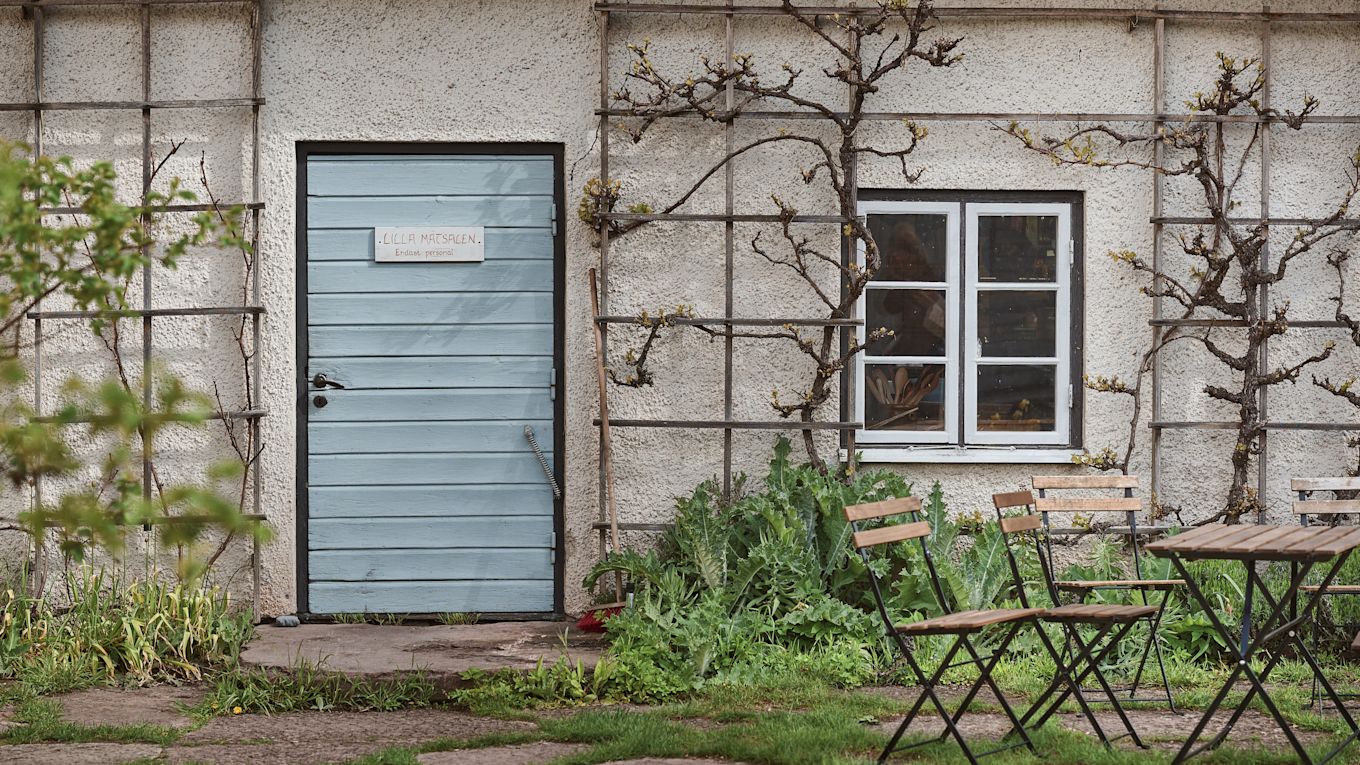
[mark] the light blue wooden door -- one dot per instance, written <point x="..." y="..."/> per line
<point x="423" y="495"/>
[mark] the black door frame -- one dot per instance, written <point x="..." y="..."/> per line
<point x="307" y="149"/>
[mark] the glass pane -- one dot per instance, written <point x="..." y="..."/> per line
<point x="904" y="396"/>
<point x="916" y="317"/>
<point x="912" y="247"/>
<point x="1017" y="323"/>
<point x="1017" y="248"/>
<point x="1017" y="398"/>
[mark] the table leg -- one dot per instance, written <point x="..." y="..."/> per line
<point x="1242" y="667"/>
<point x="1290" y="631"/>
<point x="1287" y="629"/>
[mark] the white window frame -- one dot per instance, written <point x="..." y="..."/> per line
<point x="973" y="359"/>
<point x="950" y="434"/>
<point x="963" y="358"/>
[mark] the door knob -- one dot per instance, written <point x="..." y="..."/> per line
<point x="319" y="401"/>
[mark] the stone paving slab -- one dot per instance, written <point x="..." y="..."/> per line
<point x="1158" y="728"/>
<point x="326" y="728"/>
<point x="536" y="753"/>
<point x="271" y="754"/>
<point x="673" y="761"/>
<point x="444" y="652"/>
<point x="160" y="705"/>
<point x="76" y="754"/>
<point x="320" y="738"/>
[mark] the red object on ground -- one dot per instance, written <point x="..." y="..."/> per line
<point x="593" y="621"/>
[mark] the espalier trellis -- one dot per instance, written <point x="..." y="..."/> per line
<point x="872" y="48"/>
<point x="1227" y="285"/>
<point x="721" y="92"/>
<point x="237" y="401"/>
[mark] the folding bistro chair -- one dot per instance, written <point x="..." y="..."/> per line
<point x="963" y="625"/>
<point x="1074" y="666"/>
<point x="1130" y="506"/>
<point x="1345" y="502"/>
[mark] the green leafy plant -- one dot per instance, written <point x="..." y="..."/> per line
<point x="139" y="632"/>
<point x="306" y="686"/>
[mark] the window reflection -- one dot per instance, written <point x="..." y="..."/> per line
<point x="912" y="247"/>
<point x="1017" y="323"/>
<point x="917" y="318"/>
<point x="1016" y="397"/>
<point x="1017" y="248"/>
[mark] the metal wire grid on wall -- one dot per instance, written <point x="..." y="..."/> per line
<point x="1266" y="18"/>
<point x="36" y="11"/>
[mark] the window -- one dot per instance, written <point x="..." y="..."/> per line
<point x="979" y="295"/>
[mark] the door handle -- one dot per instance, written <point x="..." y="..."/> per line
<point x="542" y="461"/>
<point x="320" y="381"/>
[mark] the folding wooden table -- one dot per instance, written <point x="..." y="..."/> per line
<point x="1303" y="547"/>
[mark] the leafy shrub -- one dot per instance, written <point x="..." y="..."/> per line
<point x="770" y="578"/>
<point x="769" y="581"/>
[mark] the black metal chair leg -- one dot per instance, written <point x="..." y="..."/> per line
<point x="928" y="691"/>
<point x="985" y="676"/>
<point x="1314" y="699"/>
<point x="1078" y="675"/>
<point x="1094" y="665"/>
<point x="1161" y="662"/>
<point x="1073" y="688"/>
<point x="1319" y="677"/>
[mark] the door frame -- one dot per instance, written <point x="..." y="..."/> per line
<point x="307" y="149"/>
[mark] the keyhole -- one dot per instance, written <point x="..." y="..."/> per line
<point x="320" y="401"/>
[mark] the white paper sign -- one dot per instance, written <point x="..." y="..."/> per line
<point x="430" y="244"/>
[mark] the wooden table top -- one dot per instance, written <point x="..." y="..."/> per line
<point x="1259" y="542"/>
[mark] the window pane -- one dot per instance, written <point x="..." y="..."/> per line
<point x="904" y="396"/>
<point x="1017" y="248"/>
<point x="1016" y="397"/>
<point x="1017" y="323"/>
<point x="912" y="247"/>
<point x="916" y="317"/>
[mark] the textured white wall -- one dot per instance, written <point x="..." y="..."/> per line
<point x="527" y="71"/>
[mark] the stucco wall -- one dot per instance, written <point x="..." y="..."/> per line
<point x="521" y="70"/>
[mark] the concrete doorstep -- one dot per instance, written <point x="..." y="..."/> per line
<point x="443" y="653"/>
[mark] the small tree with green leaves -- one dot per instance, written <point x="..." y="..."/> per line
<point x="87" y="259"/>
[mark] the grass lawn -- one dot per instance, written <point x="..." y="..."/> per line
<point x="797" y="723"/>
<point x="788" y="719"/>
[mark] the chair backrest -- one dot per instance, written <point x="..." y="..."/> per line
<point x="1345" y="492"/>
<point x="915" y="527"/>
<point x="1125" y="503"/>
<point x="886" y="509"/>
<point x="1025" y="523"/>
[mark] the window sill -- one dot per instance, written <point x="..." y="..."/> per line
<point x="976" y="456"/>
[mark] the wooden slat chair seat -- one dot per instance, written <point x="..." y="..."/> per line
<point x="887" y="529"/>
<point x="1131" y="507"/>
<point x="967" y="621"/>
<point x="1081" y="658"/>
<point x="1344" y="490"/>
<point x="1120" y="584"/>
<point x="1095" y="613"/>
<point x="1339" y="589"/>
